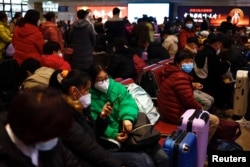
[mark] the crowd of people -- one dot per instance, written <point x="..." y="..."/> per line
<point x="68" y="104"/>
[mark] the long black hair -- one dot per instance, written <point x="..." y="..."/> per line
<point x="32" y="16"/>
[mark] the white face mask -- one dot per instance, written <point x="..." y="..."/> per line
<point x="102" y="85"/>
<point x="60" y="54"/>
<point x="48" y="145"/>
<point x="218" y="52"/>
<point x="195" y="51"/>
<point x="85" y="100"/>
<point x="38" y="23"/>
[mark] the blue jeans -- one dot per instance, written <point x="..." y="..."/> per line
<point x="134" y="159"/>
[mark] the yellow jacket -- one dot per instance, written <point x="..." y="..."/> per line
<point x="5" y="37"/>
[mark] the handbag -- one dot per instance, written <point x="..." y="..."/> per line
<point x="143" y="134"/>
<point x="228" y="130"/>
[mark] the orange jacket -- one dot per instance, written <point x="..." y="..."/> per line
<point x="52" y="33"/>
<point x="28" y="42"/>
<point x="55" y="62"/>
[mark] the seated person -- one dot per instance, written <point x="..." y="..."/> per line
<point x="31" y="128"/>
<point x="53" y="57"/>
<point x="121" y="63"/>
<point x="176" y="95"/>
<point x="81" y="139"/>
<point x="111" y="101"/>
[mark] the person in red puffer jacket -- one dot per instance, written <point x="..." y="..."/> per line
<point x="176" y="91"/>
<point x="53" y="57"/>
<point x="27" y="39"/>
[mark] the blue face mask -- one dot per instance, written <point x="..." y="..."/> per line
<point x="189" y="25"/>
<point x="187" y="67"/>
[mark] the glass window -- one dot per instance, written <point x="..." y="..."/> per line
<point x="25" y="8"/>
<point x="6" y="1"/>
<point x="16" y="8"/>
<point x="6" y="7"/>
<point x="16" y="1"/>
<point x="1" y="7"/>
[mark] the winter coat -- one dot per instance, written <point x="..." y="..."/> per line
<point x="216" y="68"/>
<point x="183" y="36"/>
<point x="56" y="62"/>
<point x="11" y="156"/>
<point x="81" y="139"/>
<point x="28" y="42"/>
<point x="125" y="108"/>
<point x="171" y="44"/>
<point x="114" y="27"/>
<point x="176" y="94"/>
<point x="83" y="39"/>
<point x="122" y="65"/>
<point x="52" y="33"/>
<point x="5" y="37"/>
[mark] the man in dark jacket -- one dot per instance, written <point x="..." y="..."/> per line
<point x="83" y="39"/>
<point x="213" y="84"/>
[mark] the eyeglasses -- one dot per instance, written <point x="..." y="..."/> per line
<point x="102" y="79"/>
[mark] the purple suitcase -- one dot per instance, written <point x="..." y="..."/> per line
<point x="181" y="148"/>
<point x="197" y="121"/>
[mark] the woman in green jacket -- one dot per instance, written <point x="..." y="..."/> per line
<point x="5" y="36"/>
<point x="107" y="95"/>
<point x="111" y="101"/>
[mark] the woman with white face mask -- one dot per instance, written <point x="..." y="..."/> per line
<point x="30" y="133"/>
<point x="81" y="139"/>
<point x="111" y="101"/>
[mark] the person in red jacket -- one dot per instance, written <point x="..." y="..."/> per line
<point x="27" y="38"/>
<point x="50" y="30"/>
<point x="53" y="56"/>
<point x="176" y="91"/>
<point x="187" y="30"/>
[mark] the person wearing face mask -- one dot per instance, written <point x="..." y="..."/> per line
<point x="187" y="30"/>
<point x="27" y="38"/>
<point x="53" y="57"/>
<point x="112" y="102"/>
<point x="33" y="139"/>
<point x="177" y="91"/>
<point x="215" y="69"/>
<point x="82" y="138"/>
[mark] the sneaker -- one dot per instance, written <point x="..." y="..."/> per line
<point x="243" y="122"/>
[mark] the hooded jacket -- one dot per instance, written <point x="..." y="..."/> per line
<point x="5" y="37"/>
<point x="125" y="108"/>
<point x="176" y="94"/>
<point x="171" y="44"/>
<point x="28" y="43"/>
<point x="83" y="39"/>
<point x="56" y="62"/>
<point x="52" y="33"/>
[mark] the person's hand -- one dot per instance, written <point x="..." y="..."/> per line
<point x="106" y="110"/>
<point x="127" y="125"/>
<point x="197" y="85"/>
<point x="122" y="137"/>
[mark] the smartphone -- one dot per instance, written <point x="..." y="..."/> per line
<point x="113" y="102"/>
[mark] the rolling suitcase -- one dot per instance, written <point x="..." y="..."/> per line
<point x="197" y="121"/>
<point x="181" y="147"/>
<point x="241" y="89"/>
